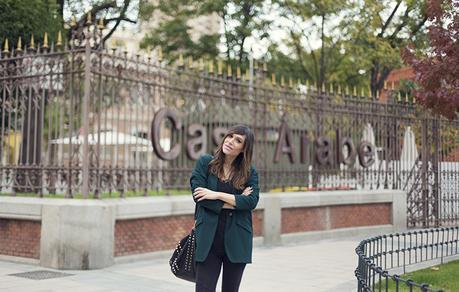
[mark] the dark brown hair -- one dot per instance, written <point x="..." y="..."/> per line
<point x="241" y="165"/>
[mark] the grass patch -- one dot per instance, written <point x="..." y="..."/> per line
<point x="112" y="195"/>
<point x="444" y="276"/>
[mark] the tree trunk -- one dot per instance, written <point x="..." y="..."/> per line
<point x="378" y="78"/>
<point x="241" y="52"/>
<point x="60" y="4"/>
<point x="322" y="56"/>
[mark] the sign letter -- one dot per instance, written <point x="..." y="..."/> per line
<point x="160" y="115"/>
<point x="284" y="136"/>
<point x="200" y="139"/>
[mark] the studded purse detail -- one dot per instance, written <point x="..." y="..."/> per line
<point x="182" y="261"/>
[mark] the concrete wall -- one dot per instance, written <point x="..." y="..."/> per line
<point x="91" y="234"/>
<point x="78" y="235"/>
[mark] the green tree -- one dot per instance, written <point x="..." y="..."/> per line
<point x="241" y="20"/>
<point x="310" y="22"/>
<point x="377" y="30"/>
<point x="22" y="18"/>
<point x="113" y="12"/>
<point x="339" y="67"/>
<point x="359" y="41"/>
<point x="172" y="32"/>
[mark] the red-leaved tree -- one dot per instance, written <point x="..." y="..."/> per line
<point x="437" y="70"/>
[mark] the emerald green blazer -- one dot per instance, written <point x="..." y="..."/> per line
<point x="238" y="229"/>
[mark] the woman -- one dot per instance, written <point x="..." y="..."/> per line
<point x="225" y="189"/>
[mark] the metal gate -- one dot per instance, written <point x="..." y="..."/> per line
<point x="76" y="119"/>
<point x="433" y="184"/>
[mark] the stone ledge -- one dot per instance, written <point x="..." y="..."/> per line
<point x="21" y="260"/>
<point x="135" y="208"/>
<point x="18" y="208"/>
<point x="333" y="198"/>
<point x="145" y="207"/>
<point x="71" y="227"/>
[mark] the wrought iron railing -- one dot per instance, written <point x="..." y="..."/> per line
<point x="77" y="120"/>
<point x="380" y="258"/>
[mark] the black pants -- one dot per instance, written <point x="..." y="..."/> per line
<point x="207" y="272"/>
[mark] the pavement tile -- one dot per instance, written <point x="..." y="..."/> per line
<point x="326" y="265"/>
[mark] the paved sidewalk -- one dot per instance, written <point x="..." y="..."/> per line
<point x="326" y="265"/>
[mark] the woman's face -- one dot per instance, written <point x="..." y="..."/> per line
<point x="233" y="144"/>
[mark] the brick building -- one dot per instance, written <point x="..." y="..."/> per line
<point x="394" y="79"/>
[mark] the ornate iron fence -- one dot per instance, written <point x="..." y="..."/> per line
<point x="80" y="119"/>
<point x="379" y="256"/>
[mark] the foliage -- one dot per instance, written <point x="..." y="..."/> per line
<point x="437" y="69"/>
<point x="22" y="18"/>
<point x="324" y="41"/>
<point x="306" y="21"/>
<point x="241" y="19"/>
<point x="349" y="42"/>
<point x="406" y="87"/>
<point x="113" y="12"/>
<point x="377" y="30"/>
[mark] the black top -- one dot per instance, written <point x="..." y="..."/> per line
<point x="223" y="217"/>
<point x="226" y="187"/>
<point x="218" y="244"/>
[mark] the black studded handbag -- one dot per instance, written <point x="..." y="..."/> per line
<point x="182" y="261"/>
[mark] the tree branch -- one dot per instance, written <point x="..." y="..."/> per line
<point x="298" y="52"/>
<point x="386" y="24"/>
<point x="122" y="15"/>
<point x="246" y="13"/>
<point x="60" y="4"/>
<point x="95" y="9"/>
<point x="400" y="26"/>
<point x="337" y="62"/>
<point x="419" y="26"/>
<point x="108" y="20"/>
<point x="351" y="77"/>
<point x="322" y="53"/>
<point x="225" y="27"/>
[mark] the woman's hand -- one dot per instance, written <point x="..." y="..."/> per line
<point x="205" y="194"/>
<point x="247" y="191"/>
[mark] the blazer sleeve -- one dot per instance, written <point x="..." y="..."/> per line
<point x="199" y="179"/>
<point x="249" y="202"/>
